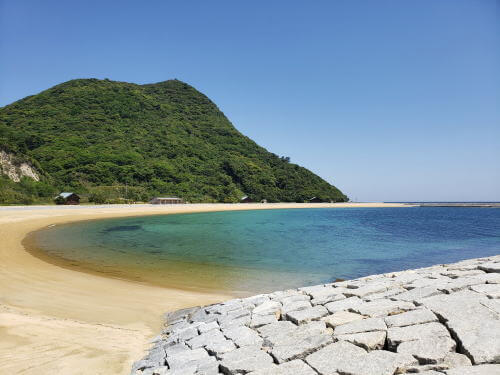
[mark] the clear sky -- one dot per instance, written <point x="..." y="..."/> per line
<point x="388" y="100"/>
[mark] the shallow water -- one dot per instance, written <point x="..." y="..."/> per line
<point x="257" y="251"/>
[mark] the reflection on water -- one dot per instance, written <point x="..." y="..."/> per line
<point x="254" y="251"/>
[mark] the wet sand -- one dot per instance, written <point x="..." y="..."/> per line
<point x="55" y="319"/>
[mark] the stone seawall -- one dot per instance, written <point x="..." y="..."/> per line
<point x="438" y="320"/>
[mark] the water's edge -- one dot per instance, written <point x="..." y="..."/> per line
<point x="270" y="266"/>
<point x="30" y="246"/>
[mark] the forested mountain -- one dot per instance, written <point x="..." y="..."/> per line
<point x="109" y="140"/>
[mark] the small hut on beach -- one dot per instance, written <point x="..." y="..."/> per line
<point x="246" y="199"/>
<point x="315" y="200"/>
<point x="166" y="200"/>
<point x="67" y="198"/>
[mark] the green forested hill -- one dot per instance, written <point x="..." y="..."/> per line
<point x="107" y="139"/>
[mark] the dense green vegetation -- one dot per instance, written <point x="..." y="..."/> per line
<point x="113" y="140"/>
<point x="27" y="191"/>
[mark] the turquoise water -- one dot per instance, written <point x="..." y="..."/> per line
<point x="254" y="251"/>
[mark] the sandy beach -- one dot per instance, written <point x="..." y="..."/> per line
<point x="57" y="320"/>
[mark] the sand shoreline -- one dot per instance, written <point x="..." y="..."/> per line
<point x="53" y="319"/>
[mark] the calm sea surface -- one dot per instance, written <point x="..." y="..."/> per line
<point x="257" y="251"/>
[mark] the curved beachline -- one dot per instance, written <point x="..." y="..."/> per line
<point x="31" y="247"/>
<point x="437" y="320"/>
<point x="84" y="320"/>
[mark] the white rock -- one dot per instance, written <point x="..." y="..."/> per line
<point x="303" y="316"/>
<point x="208" y="327"/>
<point x="261" y="320"/>
<point x="389" y="293"/>
<point x="343" y="305"/>
<point x="206" y="338"/>
<point x="490" y="267"/>
<point x="490" y="290"/>
<point x="341" y="317"/>
<point x="243" y="336"/>
<point x="367" y="340"/>
<point x="364" y="325"/>
<point x="430" y="350"/>
<point x="345" y="358"/>
<point x="488" y="369"/>
<point x="281" y="327"/>
<point x="476" y="326"/>
<point x="295" y="367"/>
<point x="245" y="360"/>
<point x="182" y="359"/>
<point x="409" y="318"/>
<point x="397" y="335"/>
<point x="218" y="348"/>
<point x="295" y="306"/>
<point x="371" y="288"/>
<point x="417" y="293"/>
<point x="268" y="308"/>
<point x="383" y="307"/>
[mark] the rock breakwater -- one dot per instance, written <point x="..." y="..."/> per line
<point x="443" y="319"/>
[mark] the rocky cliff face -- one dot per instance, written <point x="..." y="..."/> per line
<point x="15" y="169"/>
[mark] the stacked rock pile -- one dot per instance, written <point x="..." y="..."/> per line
<point x="438" y="320"/>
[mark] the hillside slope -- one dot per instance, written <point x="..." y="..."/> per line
<point x="96" y="136"/>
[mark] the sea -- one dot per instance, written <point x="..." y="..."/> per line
<point x="254" y="251"/>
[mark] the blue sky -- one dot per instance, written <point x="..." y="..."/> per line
<point x="388" y="100"/>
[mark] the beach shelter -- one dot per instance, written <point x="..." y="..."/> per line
<point x="315" y="200"/>
<point x="67" y="198"/>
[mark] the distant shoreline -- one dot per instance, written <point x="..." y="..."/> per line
<point x="85" y="320"/>
<point x="270" y="205"/>
<point x="459" y="204"/>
